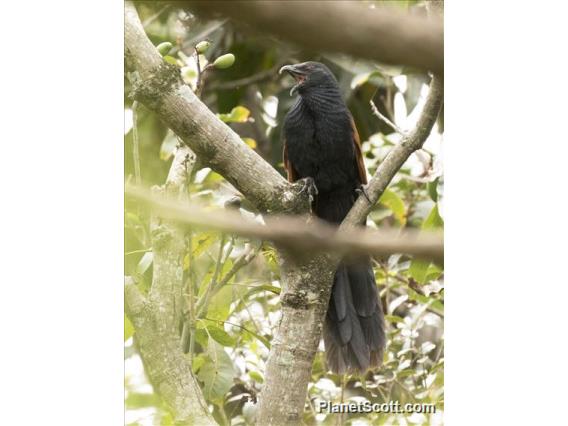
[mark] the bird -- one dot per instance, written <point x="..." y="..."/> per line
<point x="321" y="146"/>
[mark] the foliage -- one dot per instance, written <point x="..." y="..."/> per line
<point x="237" y="313"/>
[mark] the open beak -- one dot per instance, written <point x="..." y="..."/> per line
<point x="298" y="75"/>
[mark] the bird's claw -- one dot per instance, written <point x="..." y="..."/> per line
<point x="309" y="187"/>
<point x="363" y="190"/>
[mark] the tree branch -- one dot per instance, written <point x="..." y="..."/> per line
<point x="295" y="234"/>
<point x="156" y="318"/>
<point x="382" y="33"/>
<point x="169" y="246"/>
<point x="164" y="363"/>
<point x="161" y="90"/>
<point x="399" y="154"/>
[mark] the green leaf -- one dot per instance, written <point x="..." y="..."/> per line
<point x="394" y="319"/>
<point x="418" y="270"/>
<point x="171" y="60"/>
<point x="201" y="242"/>
<point x="393" y="202"/>
<point x="433" y="220"/>
<point x="262" y="339"/>
<point x="201" y="337"/>
<point x="417" y="297"/>
<point x="217" y="372"/>
<point x="250" y="142"/>
<point x="220" y="335"/>
<point x="256" y="376"/>
<point x="198" y="361"/>
<point x="128" y="328"/>
<point x="374" y="77"/>
<point x="264" y="287"/>
<point x="220" y="304"/>
<point x="238" y="114"/>
<point x="434" y="272"/>
<point x="433" y="189"/>
<point x="253" y="291"/>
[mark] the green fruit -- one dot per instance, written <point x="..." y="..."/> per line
<point x="164" y="48"/>
<point x="202" y="47"/>
<point x="224" y="61"/>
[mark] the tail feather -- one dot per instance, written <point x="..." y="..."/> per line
<point x="354" y="333"/>
<point x="354" y="328"/>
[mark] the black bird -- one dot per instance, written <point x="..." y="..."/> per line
<point x="321" y="144"/>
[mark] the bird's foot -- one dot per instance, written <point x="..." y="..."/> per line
<point x="363" y="190"/>
<point x="309" y="187"/>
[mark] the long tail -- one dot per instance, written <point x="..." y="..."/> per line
<point x="354" y="333"/>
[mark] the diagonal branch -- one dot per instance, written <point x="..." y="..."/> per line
<point x="161" y="90"/>
<point x="399" y="154"/>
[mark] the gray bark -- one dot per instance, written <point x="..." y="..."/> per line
<point x="164" y="363"/>
<point x="304" y="299"/>
<point x="156" y="319"/>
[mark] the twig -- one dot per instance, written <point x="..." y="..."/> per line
<point x="201" y="74"/>
<point x="252" y="333"/>
<point x="378" y="114"/>
<point x="204" y="302"/>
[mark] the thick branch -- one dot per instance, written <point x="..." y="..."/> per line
<point x="156" y="318"/>
<point x="399" y="154"/>
<point x="306" y="288"/>
<point x="295" y="234"/>
<point x="161" y="90"/>
<point x="164" y="363"/>
<point x="169" y="246"/>
<point x="382" y="33"/>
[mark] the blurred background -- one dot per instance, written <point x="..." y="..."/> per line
<point x="233" y="336"/>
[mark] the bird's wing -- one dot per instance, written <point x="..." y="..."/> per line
<point x="292" y="174"/>
<point x="358" y="153"/>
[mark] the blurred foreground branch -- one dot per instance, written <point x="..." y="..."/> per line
<point x="381" y="33"/>
<point x="297" y="234"/>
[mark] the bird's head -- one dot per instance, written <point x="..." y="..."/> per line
<point x="310" y="76"/>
